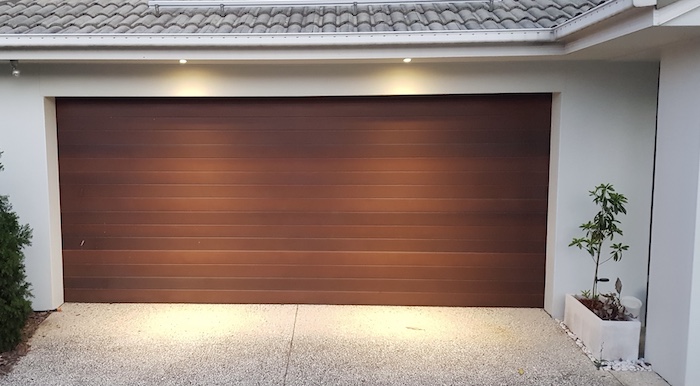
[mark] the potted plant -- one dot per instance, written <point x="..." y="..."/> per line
<point x="600" y="320"/>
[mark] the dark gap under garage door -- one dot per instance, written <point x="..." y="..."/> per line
<point x="420" y="200"/>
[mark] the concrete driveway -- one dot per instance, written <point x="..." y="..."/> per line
<point x="176" y="344"/>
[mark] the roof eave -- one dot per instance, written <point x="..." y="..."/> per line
<point x="276" y="40"/>
<point x="308" y="46"/>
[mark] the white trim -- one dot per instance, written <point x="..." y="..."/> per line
<point x="675" y="10"/>
<point x="444" y="53"/>
<point x="275" y="40"/>
<point x="641" y="20"/>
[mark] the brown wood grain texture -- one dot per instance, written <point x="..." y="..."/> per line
<point x="482" y="299"/>
<point x="425" y="200"/>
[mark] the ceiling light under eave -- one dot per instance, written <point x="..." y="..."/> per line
<point x="15" y="68"/>
<point x="407" y="60"/>
<point x="183" y="61"/>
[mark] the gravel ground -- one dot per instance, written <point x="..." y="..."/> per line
<point x="175" y="344"/>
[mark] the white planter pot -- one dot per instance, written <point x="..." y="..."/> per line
<point x="607" y="339"/>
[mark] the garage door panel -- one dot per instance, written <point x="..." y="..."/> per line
<point x="308" y="151"/>
<point x="310" y="178"/>
<point x="339" y="107"/>
<point x="399" y="272"/>
<point x="305" y="244"/>
<point x="305" y="191"/>
<point x="519" y="261"/>
<point x="310" y="121"/>
<point x="329" y="134"/>
<point x="307" y="218"/>
<point x="416" y="164"/>
<point x="305" y="297"/>
<point x="312" y="205"/>
<point x="315" y="231"/>
<point x="303" y="284"/>
<point x="353" y="200"/>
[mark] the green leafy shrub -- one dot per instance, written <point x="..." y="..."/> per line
<point x="15" y="306"/>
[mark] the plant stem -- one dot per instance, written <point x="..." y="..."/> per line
<point x="594" y="293"/>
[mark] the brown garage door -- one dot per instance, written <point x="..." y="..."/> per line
<point x="429" y="200"/>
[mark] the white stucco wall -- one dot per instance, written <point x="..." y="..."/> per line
<point x="31" y="180"/>
<point x="603" y="131"/>
<point x="673" y="338"/>
<point x="606" y="135"/>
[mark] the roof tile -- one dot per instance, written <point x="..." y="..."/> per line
<point x="224" y="29"/>
<point x="509" y="24"/>
<point x="135" y="16"/>
<point x="490" y="24"/>
<point x="473" y="25"/>
<point x="546" y="23"/>
<point x="527" y="24"/>
<point x="364" y="27"/>
<point x="277" y="29"/>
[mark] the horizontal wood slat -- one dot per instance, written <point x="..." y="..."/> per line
<point x="480" y="126"/>
<point x="341" y="258"/>
<point x="311" y="179"/>
<point x="282" y="165"/>
<point x="305" y="204"/>
<point x="427" y="200"/>
<point x="478" y="299"/>
<point x="120" y="271"/>
<point x="310" y="231"/>
<point x="534" y="107"/>
<point x="290" y="283"/>
<point x="329" y="134"/>
<point x="306" y="151"/>
<point x="303" y="244"/>
<point x="533" y="192"/>
<point x="307" y="218"/>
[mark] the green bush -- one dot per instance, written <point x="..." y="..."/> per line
<point x="15" y="306"/>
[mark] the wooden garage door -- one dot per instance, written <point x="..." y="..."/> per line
<point x="427" y="200"/>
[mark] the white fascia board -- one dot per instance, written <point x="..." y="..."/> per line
<point x="593" y="16"/>
<point x="86" y="41"/>
<point x="668" y="14"/>
<point x="285" y="54"/>
<point x="643" y="19"/>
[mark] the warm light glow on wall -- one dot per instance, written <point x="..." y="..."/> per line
<point x="191" y="81"/>
<point x="405" y="80"/>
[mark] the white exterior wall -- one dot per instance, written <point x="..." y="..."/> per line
<point x="673" y="337"/>
<point x="603" y="131"/>
<point x="28" y="143"/>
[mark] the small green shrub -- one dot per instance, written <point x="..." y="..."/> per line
<point x="15" y="306"/>
<point x="602" y="229"/>
<point x="597" y="232"/>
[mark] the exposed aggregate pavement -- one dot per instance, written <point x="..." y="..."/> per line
<point x="179" y="344"/>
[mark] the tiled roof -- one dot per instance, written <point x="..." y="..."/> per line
<point x="135" y="16"/>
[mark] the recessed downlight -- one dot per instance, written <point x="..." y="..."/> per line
<point x="183" y="61"/>
<point x="407" y="60"/>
